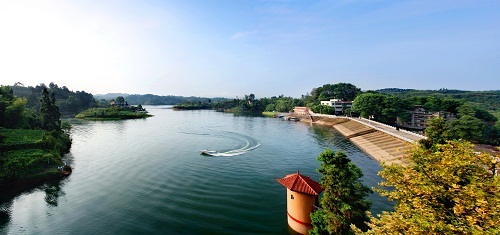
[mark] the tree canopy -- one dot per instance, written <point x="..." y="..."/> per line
<point x="341" y="91"/>
<point x="343" y="202"/>
<point x="69" y="102"/>
<point x="49" y="112"/>
<point x="382" y="107"/>
<point x="447" y="190"/>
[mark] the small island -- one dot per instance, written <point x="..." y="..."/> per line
<point x="117" y="110"/>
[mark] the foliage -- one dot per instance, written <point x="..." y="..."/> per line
<point x="269" y="114"/>
<point x="469" y="109"/>
<point x="281" y="103"/>
<point x="20" y="138"/>
<point x="383" y="108"/>
<point x="451" y="190"/>
<point x="120" y="100"/>
<point x="192" y="105"/>
<point x="19" y="163"/>
<point x="468" y="128"/>
<point x="26" y="153"/>
<point x="149" y="99"/>
<point x="49" y="112"/>
<point x="69" y="102"/>
<point x="13" y="111"/>
<point x="111" y="113"/>
<point x="323" y="109"/>
<point x="343" y="200"/>
<point x="341" y="91"/>
<point x="489" y="100"/>
<point x="30" y="152"/>
<point x="437" y="132"/>
<point x="435" y="104"/>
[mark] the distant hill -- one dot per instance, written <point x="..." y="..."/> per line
<point x="110" y="96"/>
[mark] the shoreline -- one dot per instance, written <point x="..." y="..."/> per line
<point x="378" y="145"/>
<point x="14" y="188"/>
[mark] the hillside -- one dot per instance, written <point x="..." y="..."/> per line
<point x="489" y="100"/>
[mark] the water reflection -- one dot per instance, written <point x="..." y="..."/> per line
<point x="52" y="193"/>
<point x="5" y="209"/>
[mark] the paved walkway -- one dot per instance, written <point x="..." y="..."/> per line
<point x="401" y="134"/>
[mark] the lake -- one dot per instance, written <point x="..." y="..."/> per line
<point x="147" y="176"/>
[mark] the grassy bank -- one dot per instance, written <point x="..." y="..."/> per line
<point x="112" y="113"/>
<point x="30" y="155"/>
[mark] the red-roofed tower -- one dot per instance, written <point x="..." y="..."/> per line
<point x="302" y="193"/>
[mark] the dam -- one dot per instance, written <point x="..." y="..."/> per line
<point x="385" y="143"/>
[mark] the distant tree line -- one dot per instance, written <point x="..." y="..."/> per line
<point x="15" y="114"/>
<point x="149" y="99"/>
<point x="473" y="122"/>
<point x="69" y="102"/>
<point x="249" y="104"/>
<point x="477" y="112"/>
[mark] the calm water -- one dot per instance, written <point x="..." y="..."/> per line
<point x="147" y="176"/>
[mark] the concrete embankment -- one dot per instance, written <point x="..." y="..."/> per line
<point x="381" y="146"/>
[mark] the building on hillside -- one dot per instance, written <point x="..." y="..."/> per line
<point x="338" y="105"/>
<point x="302" y="199"/>
<point x="304" y="111"/>
<point x="419" y="118"/>
<point x="123" y="105"/>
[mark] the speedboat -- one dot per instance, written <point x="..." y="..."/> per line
<point x="207" y="152"/>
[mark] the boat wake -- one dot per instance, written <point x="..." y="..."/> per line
<point x="247" y="144"/>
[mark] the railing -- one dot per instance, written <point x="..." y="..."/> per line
<point x="382" y="130"/>
<point x="368" y="122"/>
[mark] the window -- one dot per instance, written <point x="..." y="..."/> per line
<point x="291" y="196"/>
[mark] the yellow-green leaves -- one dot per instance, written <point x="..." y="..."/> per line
<point x="450" y="190"/>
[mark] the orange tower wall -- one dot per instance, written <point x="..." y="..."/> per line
<point x="299" y="207"/>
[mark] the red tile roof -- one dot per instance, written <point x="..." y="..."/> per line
<point x="300" y="183"/>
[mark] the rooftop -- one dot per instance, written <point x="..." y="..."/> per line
<point x="300" y="183"/>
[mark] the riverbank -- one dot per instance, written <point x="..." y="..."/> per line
<point x="379" y="145"/>
<point x="31" y="156"/>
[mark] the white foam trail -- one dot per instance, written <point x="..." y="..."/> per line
<point x="236" y="152"/>
<point x="250" y="143"/>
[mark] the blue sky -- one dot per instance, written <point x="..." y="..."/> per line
<point x="235" y="47"/>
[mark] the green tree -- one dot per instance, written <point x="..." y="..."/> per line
<point x="384" y="108"/>
<point x="120" y="100"/>
<point x="437" y="132"/>
<point x="323" y="109"/>
<point x="343" y="202"/>
<point x="451" y="190"/>
<point x="15" y="114"/>
<point x="49" y="112"/>
<point x="469" y="128"/>
<point x="341" y="91"/>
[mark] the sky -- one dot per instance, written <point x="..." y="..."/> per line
<point x="229" y="48"/>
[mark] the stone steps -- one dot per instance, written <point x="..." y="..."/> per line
<point x="381" y="146"/>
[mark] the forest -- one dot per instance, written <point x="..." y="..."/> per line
<point x="32" y="142"/>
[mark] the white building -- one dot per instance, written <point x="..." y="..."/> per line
<point x="338" y="105"/>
